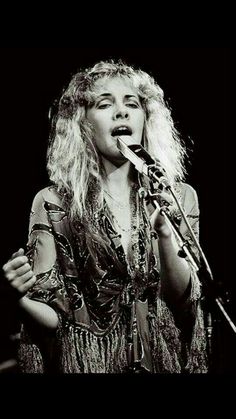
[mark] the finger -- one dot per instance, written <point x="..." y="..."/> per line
<point x="19" y="252"/>
<point x="23" y="269"/>
<point x="159" y="224"/>
<point x="165" y="198"/>
<point x="15" y="263"/>
<point x="18" y="281"/>
<point x="27" y="285"/>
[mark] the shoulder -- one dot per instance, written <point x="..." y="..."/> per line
<point x="187" y="190"/>
<point x="188" y="195"/>
<point x="49" y="195"/>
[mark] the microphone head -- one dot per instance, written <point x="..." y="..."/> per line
<point x="124" y="139"/>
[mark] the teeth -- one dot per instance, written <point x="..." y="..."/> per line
<point x="121" y="130"/>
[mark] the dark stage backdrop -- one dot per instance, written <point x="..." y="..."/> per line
<point x="197" y="85"/>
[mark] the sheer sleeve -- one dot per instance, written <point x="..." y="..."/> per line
<point x="192" y="314"/>
<point x="37" y="350"/>
<point x="191" y="208"/>
<point x="180" y="330"/>
<point x="42" y="253"/>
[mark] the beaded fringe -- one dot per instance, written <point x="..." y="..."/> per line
<point x="165" y="341"/>
<point x="167" y="344"/>
<point x="78" y="351"/>
<point x="29" y="357"/>
<point x="197" y="353"/>
<point x="83" y="352"/>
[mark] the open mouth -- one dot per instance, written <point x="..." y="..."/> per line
<point x="121" y="131"/>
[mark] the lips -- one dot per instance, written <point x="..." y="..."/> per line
<point x="121" y="130"/>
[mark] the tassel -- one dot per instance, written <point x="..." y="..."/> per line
<point x="83" y="352"/>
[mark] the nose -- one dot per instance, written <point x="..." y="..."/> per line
<point x="121" y="113"/>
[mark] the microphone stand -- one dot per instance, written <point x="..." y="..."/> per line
<point x="146" y="165"/>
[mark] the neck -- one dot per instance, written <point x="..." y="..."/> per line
<point x="117" y="178"/>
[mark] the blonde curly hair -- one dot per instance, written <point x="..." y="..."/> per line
<point x="72" y="159"/>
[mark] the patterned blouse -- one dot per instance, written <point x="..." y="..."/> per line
<point x="112" y="315"/>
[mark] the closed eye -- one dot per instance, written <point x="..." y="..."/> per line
<point x="103" y="105"/>
<point x="132" y="105"/>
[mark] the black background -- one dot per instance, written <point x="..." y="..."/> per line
<point x="197" y="85"/>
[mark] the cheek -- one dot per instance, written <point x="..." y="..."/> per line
<point x="92" y="118"/>
<point x="98" y="132"/>
<point x="97" y="124"/>
<point x="141" y="117"/>
<point x="140" y="122"/>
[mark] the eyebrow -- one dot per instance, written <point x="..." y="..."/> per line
<point x="110" y="94"/>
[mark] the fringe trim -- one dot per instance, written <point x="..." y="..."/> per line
<point x="165" y="341"/>
<point x="170" y="352"/>
<point x="83" y="352"/>
<point x="77" y="351"/>
<point x="29" y="357"/>
<point x="197" y="361"/>
<point x="197" y="354"/>
<point x="195" y="287"/>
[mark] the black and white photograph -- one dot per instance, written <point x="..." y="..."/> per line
<point x="116" y="253"/>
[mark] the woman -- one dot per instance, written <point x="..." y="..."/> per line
<point x="102" y="288"/>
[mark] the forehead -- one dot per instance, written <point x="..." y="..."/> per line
<point x="115" y="85"/>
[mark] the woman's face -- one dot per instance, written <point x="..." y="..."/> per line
<point x="116" y="111"/>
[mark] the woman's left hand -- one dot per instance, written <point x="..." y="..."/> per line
<point x="158" y="220"/>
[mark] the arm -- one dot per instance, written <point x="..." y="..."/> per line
<point x="25" y="278"/>
<point x="175" y="271"/>
<point x="39" y="313"/>
<point x="21" y="279"/>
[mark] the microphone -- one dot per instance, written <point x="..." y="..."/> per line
<point x="142" y="160"/>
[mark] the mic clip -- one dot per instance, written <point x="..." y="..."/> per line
<point x="157" y="176"/>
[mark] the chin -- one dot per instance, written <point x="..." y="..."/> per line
<point x="117" y="160"/>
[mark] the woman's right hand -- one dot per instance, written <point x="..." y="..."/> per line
<point x="18" y="273"/>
